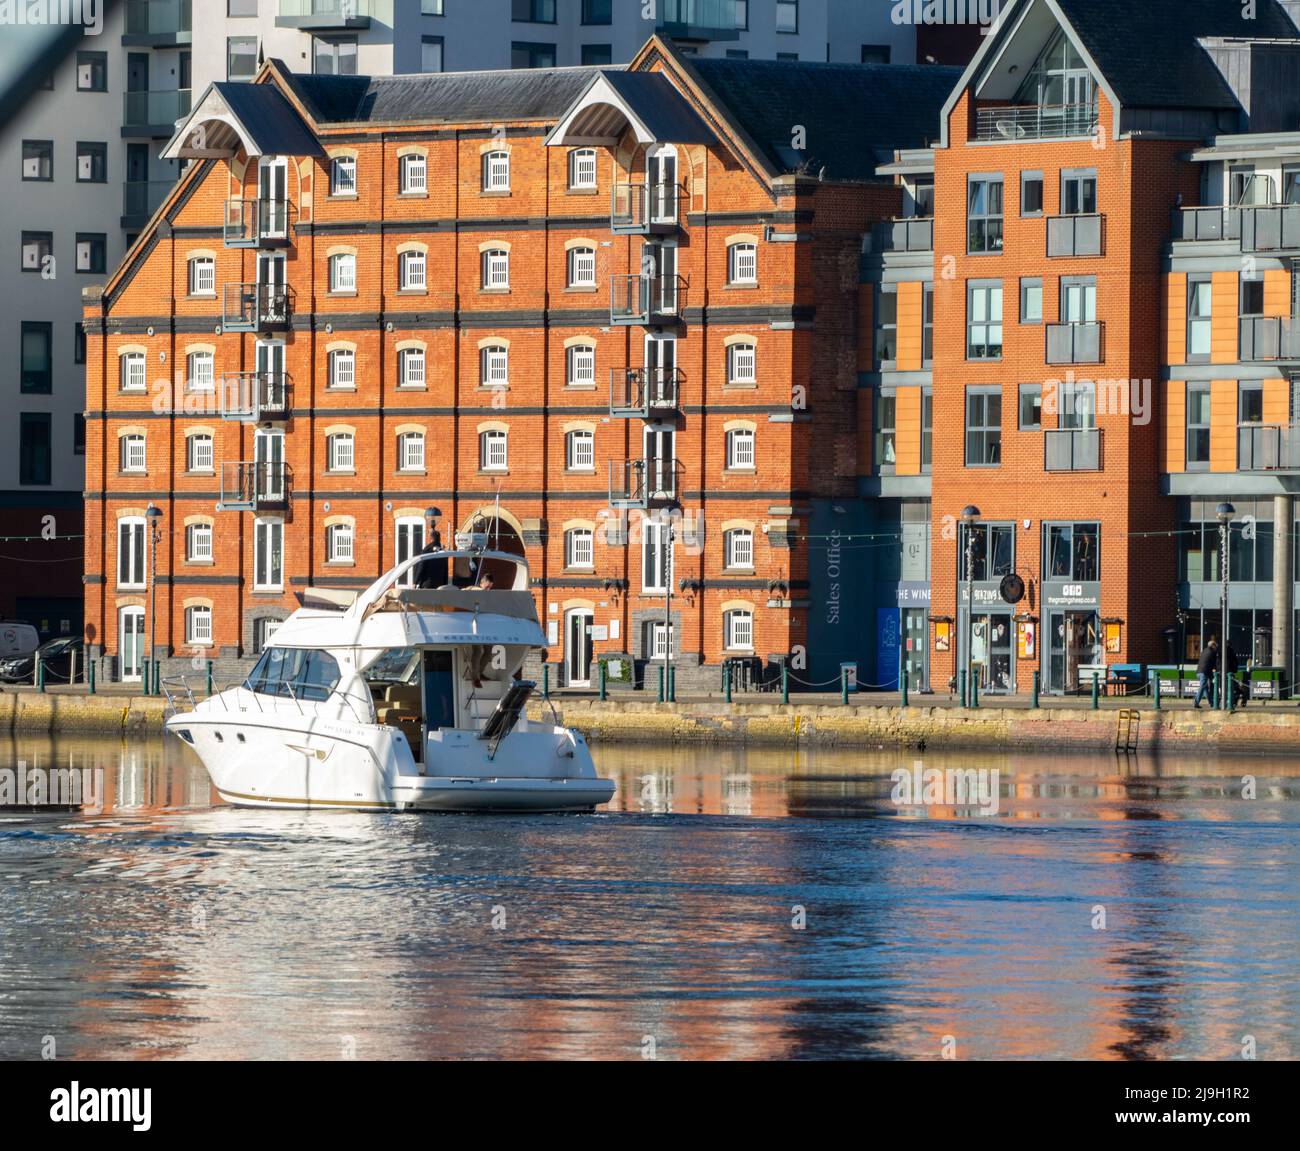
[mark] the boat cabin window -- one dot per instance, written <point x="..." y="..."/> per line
<point x="294" y="672"/>
<point x="395" y="666"/>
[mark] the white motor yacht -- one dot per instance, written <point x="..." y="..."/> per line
<point x="398" y="698"/>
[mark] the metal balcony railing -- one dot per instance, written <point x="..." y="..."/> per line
<point x="158" y="23"/>
<point x="1072" y="449"/>
<point x="1074" y="343"/>
<point x="154" y="113"/>
<point x="907" y="234"/>
<point x="1268" y="338"/>
<point x="256" y="307"/>
<point x="646" y="300"/>
<point x="323" y="15"/>
<point x="1268" y="447"/>
<point x="141" y="199"/>
<point x="1035" y="122"/>
<point x="645" y="208"/>
<point x="247" y="485"/>
<point x="1270" y="228"/>
<point x="1079" y="235"/>
<point x="255" y="397"/>
<point x="643" y="483"/>
<point x="643" y="391"/>
<point x="258" y="223"/>
<point x="1207" y="223"/>
<point x="700" y="19"/>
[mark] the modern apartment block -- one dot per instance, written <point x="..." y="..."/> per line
<point x="1090" y="383"/>
<point x="385" y="37"/>
<point x="608" y="316"/>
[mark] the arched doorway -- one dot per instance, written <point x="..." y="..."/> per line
<point x="503" y="535"/>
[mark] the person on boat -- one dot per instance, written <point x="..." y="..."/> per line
<point x="486" y="583"/>
<point x="431" y="573"/>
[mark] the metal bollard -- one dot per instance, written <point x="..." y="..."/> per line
<point x="726" y="681"/>
<point x="844" y="686"/>
<point x="660" y="669"/>
<point x="1033" y="702"/>
<point x="40" y="673"/>
<point x="546" y="681"/>
<point x="903" y="683"/>
<point x="975" y="688"/>
<point x="961" y="677"/>
<point x="785" y="682"/>
<point x="209" y="677"/>
<point x="1155" y="688"/>
<point x="1096" y="702"/>
<point x="90" y="676"/>
<point x="672" y="683"/>
<point x="604" y="691"/>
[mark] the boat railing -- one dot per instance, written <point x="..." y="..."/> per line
<point x="173" y="688"/>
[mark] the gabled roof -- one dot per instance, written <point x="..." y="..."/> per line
<point x="646" y="102"/>
<point x="854" y="116"/>
<point x="258" y="116"/>
<point x="463" y="97"/>
<point x="1149" y="52"/>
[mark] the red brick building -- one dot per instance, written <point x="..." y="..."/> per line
<point x="608" y="316"/>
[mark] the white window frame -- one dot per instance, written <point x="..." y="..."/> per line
<point x="410" y="452"/>
<point x="340" y="263"/>
<point x="344" y="380"/>
<point x="580" y="450"/>
<point x="198" y="543"/>
<point x="496" y="270"/>
<point x="657" y="645"/>
<point x="413" y="174"/>
<point x="738" y="545"/>
<point x="654" y="533"/>
<point x="412" y="267"/>
<point x="738" y="630"/>
<point x="742" y="364"/>
<point x="132" y="372"/>
<point x="741" y="450"/>
<point x="411" y="368"/>
<point x="581" y="366"/>
<point x="198" y="626"/>
<point x="203" y="276"/>
<point x="496" y="171"/>
<point x="339" y="544"/>
<point x="495" y="366"/>
<point x="581" y="159"/>
<point x="136" y="526"/>
<point x="192" y="446"/>
<point x="263" y="530"/>
<point x="133" y="454"/>
<point x="742" y="263"/>
<point x="582" y="267"/>
<point x="580" y="548"/>
<point x="200" y="372"/>
<point x="341" y="452"/>
<point x="494" y="450"/>
<point x="343" y="176"/>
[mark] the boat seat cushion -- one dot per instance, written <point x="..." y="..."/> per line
<point x="404" y="695"/>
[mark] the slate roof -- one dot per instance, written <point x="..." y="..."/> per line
<point x="659" y="106"/>
<point x="855" y="115"/>
<point x="529" y="94"/>
<point x="1148" y="52"/>
<point x="270" y="119"/>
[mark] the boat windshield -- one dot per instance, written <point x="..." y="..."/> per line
<point x="300" y="673"/>
<point x="394" y="666"/>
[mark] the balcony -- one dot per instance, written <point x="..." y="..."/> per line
<point x="255" y="397"/>
<point x="1075" y="235"/>
<point x="699" y="21"/>
<point x="258" y="224"/>
<point x="1035" y="122"/>
<point x="154" y="114"/>
<point x="643" y="392"/>
<point x="323" y="15"/>
<point x="141" y="199"/>
<point x="643" y="209"/>
<point x="1270" y="228"/>
<point x="158" y="24"/>
<point x="1265" y="338"/>
<point x="1074" y="343"/>
<point x="1207" y="224"/>
<point x="646" y="300"/>
<point x="256" y="307"/>
<point x="910" y="234"/>
<point x="1072" y="450"/>
<point x="250" y="485"/>
<point x="643" y="483"/>
<point x="1268" y="448"/>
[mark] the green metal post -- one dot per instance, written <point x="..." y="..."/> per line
<point x="604" y="692"/>
<point x="209" y="677"/>
<point x="1155" y="688"/>
<point x="40" y="673"/>
<point x="661" y="683"/>
<point x="672" y="683"/>
<point x="844" y="686"/>
<point x="1095" y="699"/>
<point x="90" y="676"/>
<point x="726" y="681"/>
<point x="785" y="682"/>
<point x="975" y="687"/>
<point x="1034" y="698"/>
<point x="961" y="677"/>
<point x="903" y="683"/>
<point x="546" y="681"/>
